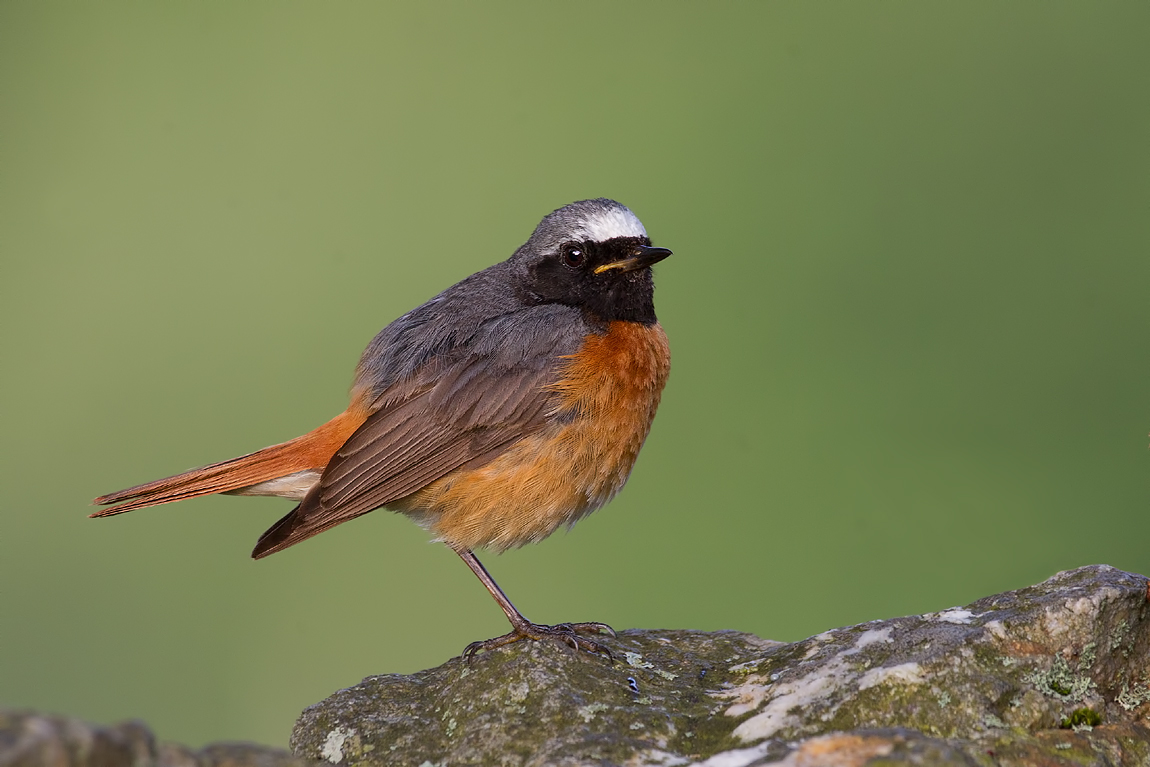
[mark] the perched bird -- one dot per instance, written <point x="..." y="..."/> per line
<point x="512" y="403"/>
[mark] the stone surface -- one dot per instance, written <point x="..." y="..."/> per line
<point x="34" y="740"/>
<point x="1055" y="674"/>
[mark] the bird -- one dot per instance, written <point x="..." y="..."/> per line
<point x="513" y="403"/>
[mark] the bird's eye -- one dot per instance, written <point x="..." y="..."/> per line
<point x="574" y="255"/>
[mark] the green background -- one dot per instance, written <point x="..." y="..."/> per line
<point x="908" y="307"/>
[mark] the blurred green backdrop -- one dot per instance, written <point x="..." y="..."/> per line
<point x="908" y="307"/>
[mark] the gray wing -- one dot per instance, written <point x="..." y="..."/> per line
<point x="463" y="405"/>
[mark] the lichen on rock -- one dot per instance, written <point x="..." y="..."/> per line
<point x="1057" y="670"/>
<point x="1053" y="674"/>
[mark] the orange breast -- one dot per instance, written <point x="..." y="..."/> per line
<point x="607" y="396"/>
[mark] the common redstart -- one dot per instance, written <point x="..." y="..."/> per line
<point x="512" y="403"/>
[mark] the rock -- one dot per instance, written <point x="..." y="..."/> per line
<point x="34" y="740"/>
<point x="1058" y="673"/>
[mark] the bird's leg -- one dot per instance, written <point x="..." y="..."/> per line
<point x="568" y="633"/>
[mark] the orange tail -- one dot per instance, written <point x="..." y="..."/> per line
<point x="311" y="451"/>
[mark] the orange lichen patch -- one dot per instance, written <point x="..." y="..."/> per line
<point x="839" y="751"/>
<point x="311" y="451"/>
<point x="608" y="394"/>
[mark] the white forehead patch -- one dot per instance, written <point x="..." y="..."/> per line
<point x="613" y="222"/>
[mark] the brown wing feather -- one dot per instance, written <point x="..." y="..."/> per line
<point x="462" y="418"/>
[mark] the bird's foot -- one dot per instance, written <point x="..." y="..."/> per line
<point x="567" y="633"/>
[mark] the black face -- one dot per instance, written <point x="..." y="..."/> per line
<point x="569" y="276"/>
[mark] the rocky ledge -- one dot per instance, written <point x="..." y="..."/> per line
<point x="28" y="739"/>
<point x="1054" y="674"/>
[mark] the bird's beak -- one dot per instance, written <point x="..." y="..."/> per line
<point x="644" y="256"/>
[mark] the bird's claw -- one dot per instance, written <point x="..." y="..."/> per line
<point x="567" y="633"/>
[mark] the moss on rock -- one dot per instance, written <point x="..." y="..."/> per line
<point x="999" y="677"/>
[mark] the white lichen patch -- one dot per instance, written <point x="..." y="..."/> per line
<point x="776" y="713"/>
<point x="1131" y="698"/>
<point x="903" y="673"/>
<point x="815" y="641"/>
<point x="517" y="693"/>
<point x="869" y="637"/>
<point x="746" y="667"/>
<point x="995" y="629"/>
<point x="1060" y="682"/>
<point x="658" y="757"/>
<point x="1118" y="636"/>
<point x="589" y="711"/>
<point x="956" y="615"/>
<point x="747" y="696"/>
<point x="1078" y="612"/>
<point x="332" y="748"/>
<point x="807" y="694"/>
<point x="636" y="659"/>
<point x="736" y="758"/>
<point x="1087" y="657"/>
<point x="992" y="722"/>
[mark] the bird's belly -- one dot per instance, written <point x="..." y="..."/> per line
<point x="606" y="399"/>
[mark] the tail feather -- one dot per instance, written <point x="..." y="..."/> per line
<point x="293" y="528"/>
<point x="233" y="474"/>
<point x="311" y="451"/>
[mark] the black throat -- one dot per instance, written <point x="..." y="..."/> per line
<point x="626" y="297"/>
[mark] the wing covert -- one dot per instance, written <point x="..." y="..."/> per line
<point x="463" y="406"/>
